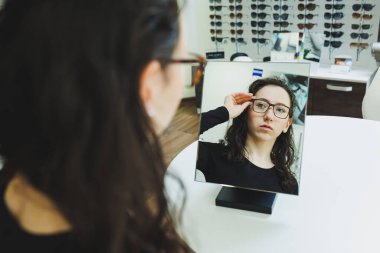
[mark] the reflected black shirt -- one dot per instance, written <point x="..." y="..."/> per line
<point x="217" y="169"/>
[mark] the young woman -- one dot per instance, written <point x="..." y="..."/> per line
<point x="258" y="150"/>
<point x="85" y="87"/>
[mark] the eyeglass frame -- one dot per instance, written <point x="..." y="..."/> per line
<point x="270" y="105"/>
<point x="199" y="59"/>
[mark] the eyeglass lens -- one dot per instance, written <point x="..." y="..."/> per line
<point x="262" y="106"/>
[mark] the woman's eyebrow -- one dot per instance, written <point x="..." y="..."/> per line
<point x="266" y="100"/>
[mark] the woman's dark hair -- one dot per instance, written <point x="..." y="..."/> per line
<point x="73" y="123"/>
<point x="282" y="154"/>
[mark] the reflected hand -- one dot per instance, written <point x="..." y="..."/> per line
<point x="237" y="102"/>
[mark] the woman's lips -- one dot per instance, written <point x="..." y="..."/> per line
<point x="268" y="127"/>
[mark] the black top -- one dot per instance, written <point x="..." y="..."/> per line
<point x="216" y="168"/>
<point x="14" y="239"/>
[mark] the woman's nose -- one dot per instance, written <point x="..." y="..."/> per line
<point x="269" y="113"/>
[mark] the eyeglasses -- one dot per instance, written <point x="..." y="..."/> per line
<point x="309" y="7"/>
<point x="217" y="39"/>
<point x="334" y="34"/>
<point x="215" y="16"/>
<point x="363" y="27"/>
<point x="239" y="40"/>
<point x="239" y="24"/>
<point x="259" y="6"/>
<point x="366" y="7"/>
<point x="334" y="25"/>
<point x="361" y="35"/>
<point x="308" y="26"/>
<point x="215" y="1"/>
<point x="336" y="15"/>
<point x="261" y="15"/>
<point x="237" y="15"/>
<point x="217" y="23"/>
<point x="260" y="40"/>
<point x="236" y="1"/>
<point x="335" y="6"/>
<point x="259" y="32"/>
<point x="281" y="24"/>
<point x="283" y="7"/>
<point x="259" y="23"/>
<point x="308" y="16"/>
<point x="215" y="31"/>
<point x="236" y="7"/>
<point x="356" y="15"/>
<point x="193" y="59"/>
<point x="239" y="32"/>
<point x="262" y="106"/>
<point x="359" y="45"/>
<point x="283" y="16"/>
<point x="334" y="44"/>
<point x="216" y="7"/>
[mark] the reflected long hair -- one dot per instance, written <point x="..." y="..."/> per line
<point x="282" y="154"/>
<point x="73" y="123"/>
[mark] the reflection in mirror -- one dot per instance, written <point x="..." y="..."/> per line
<point x="252" y="125"/>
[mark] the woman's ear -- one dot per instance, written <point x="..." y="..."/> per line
<point x="151" y="80"/>
<point x="288" y="123"/>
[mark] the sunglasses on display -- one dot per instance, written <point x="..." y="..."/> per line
<point x="237" y="15"/>
<point x="309" y="7"/>
<point x="261" y="24"/>
<point x="259" y="0"/>
<point x="334" y="6"/>
<point x="334" y="25"/>
<point x="307" y="16"/>
<point x="215" y="1"/>
<point x="261" y="15"/>
<point x="236" y="1"/>
<point x="236" y="7"/>
<point x="281" y="24"/>
<point x="259" y="40"/>
<point x="334" y="0"/>
<point x="239" y="32"/>
<point x="259" y="6"/>
<point x="239" y="40"/>
<point x="262" y="106"/>
<point x="361" y="35"/>
<point x="282" y="31"/>
<point x="366" y="7"/>
<point x="216" y="31"/>
<point x="356" y="15"/>
<point x="334" y="44"/>
<point x="193" y="58"/>
<point x="216" y="7"/>
<point x="359" y="45"/>
<point x="218" y="39"/>
<point x="215" y="16"/>
<point x="239" y="24"/>
<point x="259" y="32"/>
<point x="282" y="7"/>
<point x="363" y="27"/>
<point x="307" y="26"/>
<point x="334" y="34"/>
<point x="283" y="16"/>
<point x="216" y="23"/>
<point x="336" y="15"/>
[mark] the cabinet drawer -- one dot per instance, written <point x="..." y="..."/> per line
<point x="335" y="98"/>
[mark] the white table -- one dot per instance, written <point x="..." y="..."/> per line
<point x="338" y="209"/>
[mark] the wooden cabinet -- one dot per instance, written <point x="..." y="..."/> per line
<point x="335" y="98"/>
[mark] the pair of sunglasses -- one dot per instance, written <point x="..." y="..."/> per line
<point x="215" y="16"/>
<point x="237" y="15"/>
<point x="236" y="7"/>
<point x="361" y="35"/>
<point x="260" y="15"/>
<point x="359" y="45"/>
<point x="363" y="27"/>
<point x="283" y="16"/>
<point x="334" y="34"/>
<point x="309" y="7"/>
<point x="218" y="39"/>
<point x="366" y="7"/>
<point x="216" y="7"/>
<point x="239" y="31"/>
<point x="282" y="31"/>
<point x="215" y="1"/>
<point x="334" y="44"/>
<point x="307" y="16"/>
<point x="282" y="7"/>
<point x="259" y="6"/>
<point x="356" y="15"/>
<point x="336" y="15"/>
<point x="239" y="40"/>
<point x="216" y="31"/>
<point x="259" y="32"/>
<point x="259" y="40"/>
<point x="216" y="23"/>
<point x="334" y="6"/>
<point x="239" y="24"/>
<point x="236" y="1"/>
<point x="281" y="24"/>
<point x="307" y="26"/>
<point x="333" y="25"/>
<point x="261" y="24"/>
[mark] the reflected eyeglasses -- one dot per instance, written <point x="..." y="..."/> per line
<point x="195" y="59"/>
<point x="262" y="106"/>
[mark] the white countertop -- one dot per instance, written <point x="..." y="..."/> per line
<point x="337" y="209"/>
<point x="359" y="75"/>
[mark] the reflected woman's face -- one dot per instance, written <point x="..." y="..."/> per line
<point x="266" y="126"/>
